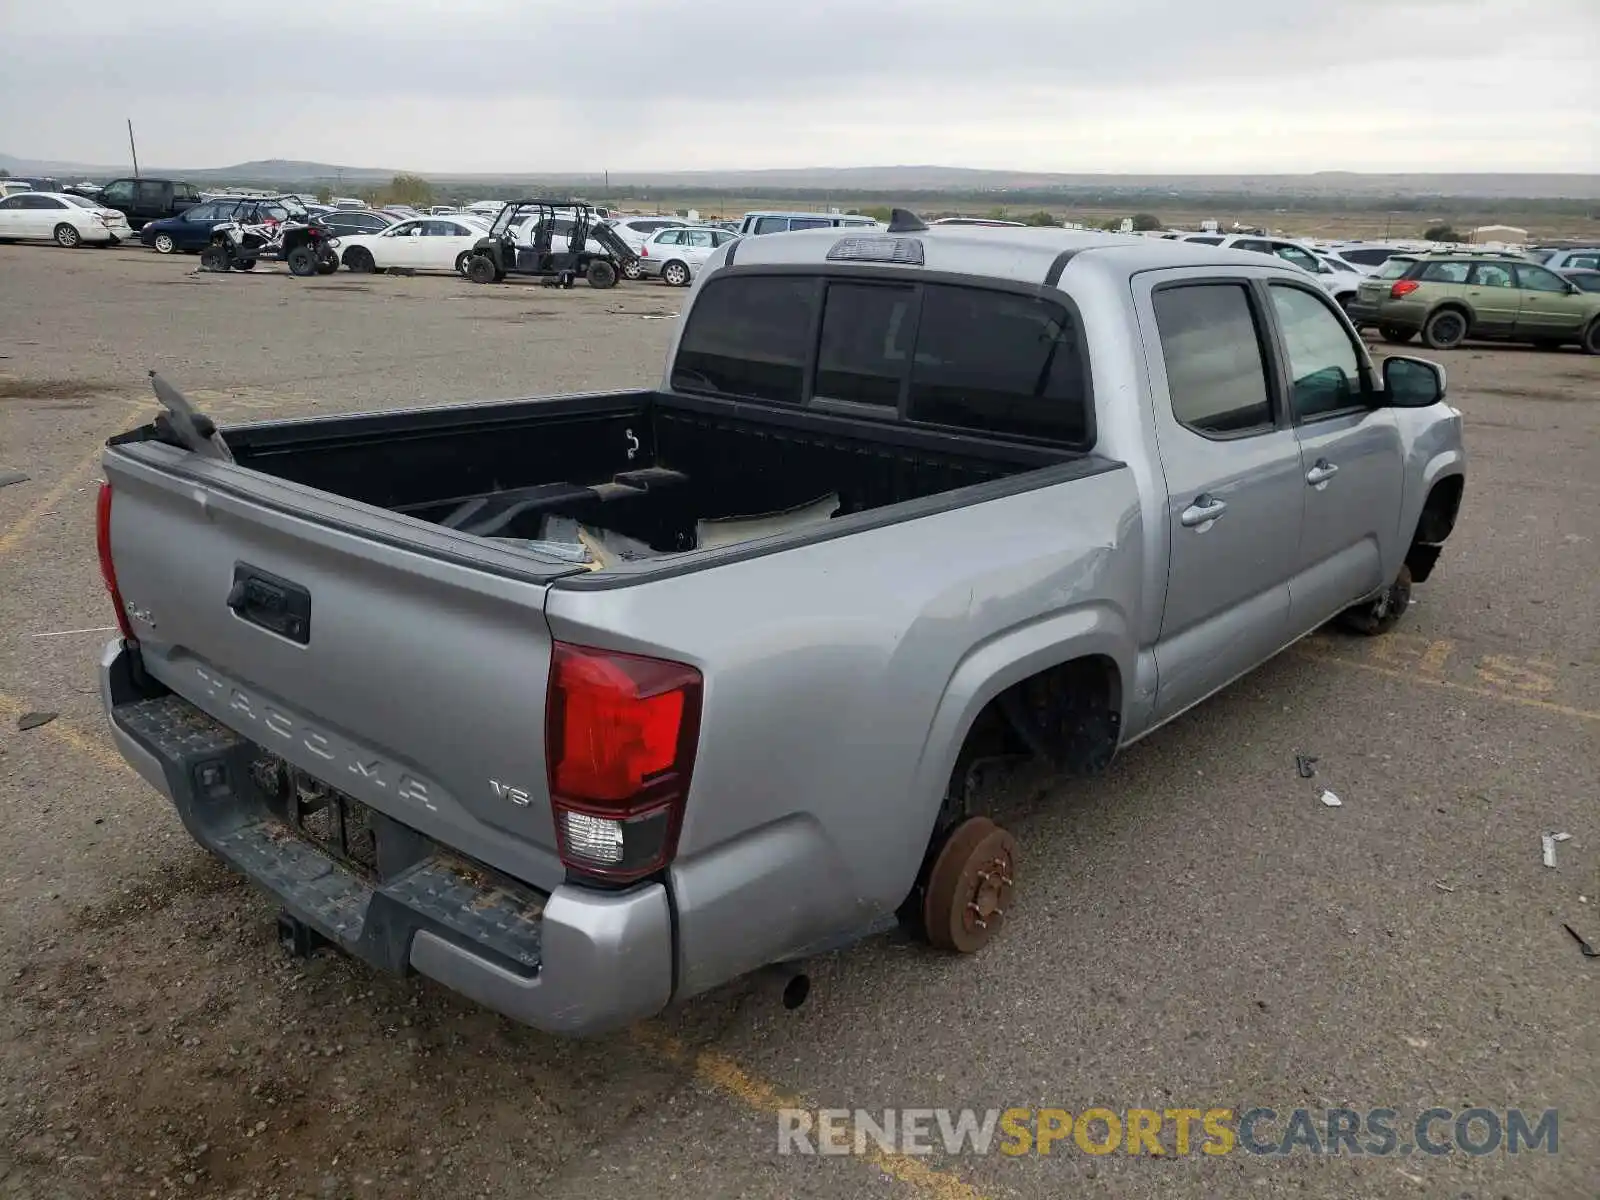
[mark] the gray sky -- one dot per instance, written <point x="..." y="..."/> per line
<point x="1063" y="85"/>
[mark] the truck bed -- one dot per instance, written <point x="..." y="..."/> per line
<point x="649" y="467"/>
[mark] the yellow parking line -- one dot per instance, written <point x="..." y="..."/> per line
<point x="24" y="524"/>
<point x="1582" y="714"/>
<point x="722" y="1074"/>
<point x="12" y="708"/>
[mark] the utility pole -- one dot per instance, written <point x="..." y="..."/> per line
<point x="134" y="148"/>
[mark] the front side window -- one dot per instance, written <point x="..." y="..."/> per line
<point x="1298" y="257"/>
<point x="1324" y="368"/>
<point x="1216" y="371"/>
<point x="1537" y="279"/>
<point x="699" y="238"/>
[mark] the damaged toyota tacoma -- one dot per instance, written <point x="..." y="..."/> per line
<point x="582" y="705"/>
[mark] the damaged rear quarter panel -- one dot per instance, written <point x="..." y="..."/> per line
<point x="840" y="678"/>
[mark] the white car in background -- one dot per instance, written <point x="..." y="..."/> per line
<point x="674" y="255"/>
<point x="62" y="218"/>
<point x="425" y="244"/>
<point x="1337" y="280"/>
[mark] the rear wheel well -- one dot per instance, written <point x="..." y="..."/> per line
<point x="1069" y="714"/>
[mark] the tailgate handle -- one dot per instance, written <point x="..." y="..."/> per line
<point x="276" y="604"/>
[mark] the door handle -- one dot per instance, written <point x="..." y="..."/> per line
<point x="1321" y="472"/>
<point x="1203" y="511"/>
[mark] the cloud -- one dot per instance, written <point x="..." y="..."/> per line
<point x="488" y="85"/>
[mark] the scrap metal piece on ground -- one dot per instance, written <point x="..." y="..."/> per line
<point x="7" y="478"/>
<point x="1306" y="765"/>
<point x="1549" y="841"/>
<point x="33" y="720"/>
<point x="1332" y="801"/>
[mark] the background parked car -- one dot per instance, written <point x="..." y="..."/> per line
<point x="1586" y="278"/>
<point x="1448" y="298"/>
<point x="142" y="200"/>
<point x="1338" y="282"/>
<point x="1561" y="260"/>
<point x="675" y="255"/>
<point x="348" y="223"/>
<point x="1362" y="257"/>
<point x="782" y="222"/>
<point x="427" y="244"/>
<point x="192" y="229"/>
<point x="64" y="219"/>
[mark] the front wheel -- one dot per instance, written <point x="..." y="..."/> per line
<point x="164" y="243"/>
<point x="214" y="258"/>
<point x="1445" y="330"/>
<point x="601" y="274"/>
<point x="481" y="269"/>
<point x="302" y="261"/>
<point x="68" y="236"/>
<point x="1383" y="613"/>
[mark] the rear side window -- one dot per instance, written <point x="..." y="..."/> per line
<point x="749" y="338"/>
<point x="1216" y="372"/>
<point x="1394" y="268"/>
<point x="772" y="225"/>
<point x="1205" y="241"/>
<point x="1446" y="272"/>
<point x="999" y="362"/>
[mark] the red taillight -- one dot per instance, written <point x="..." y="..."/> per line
<point x="108" y="571"/>
<point x="620" y="736"/>
<point x="1403" y="288"/>
<point x="644" y="251"/>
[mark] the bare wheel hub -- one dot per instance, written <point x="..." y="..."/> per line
<point x="970" y="886"/>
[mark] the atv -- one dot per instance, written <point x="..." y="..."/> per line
<point x="236" y="246"/>
<point x="555" y="240"/>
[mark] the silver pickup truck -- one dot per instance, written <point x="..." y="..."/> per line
<point x="585" y="704"/>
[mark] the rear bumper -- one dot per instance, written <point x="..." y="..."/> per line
<point x="575" y="961"/>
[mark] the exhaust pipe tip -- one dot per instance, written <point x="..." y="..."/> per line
<point x="788" y="982"/>
<point x="797" y="991"/>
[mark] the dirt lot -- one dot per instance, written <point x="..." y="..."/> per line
<point x="1194" y="930"/>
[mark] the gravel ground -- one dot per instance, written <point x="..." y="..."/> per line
<point x="1194" y="931"/>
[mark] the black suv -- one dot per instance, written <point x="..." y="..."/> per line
<point x="142" y="200"/>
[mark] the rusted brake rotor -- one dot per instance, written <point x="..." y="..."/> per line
<point x="970" y="886"/>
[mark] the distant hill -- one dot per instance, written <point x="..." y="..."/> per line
<point x="902" y="179"/>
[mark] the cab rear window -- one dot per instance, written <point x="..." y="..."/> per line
<point x="985" y="360"/>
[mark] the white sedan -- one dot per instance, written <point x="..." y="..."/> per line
<point x="676" y="254"/>
<point x="427" y="244"/>
<point x="64" y="219"/>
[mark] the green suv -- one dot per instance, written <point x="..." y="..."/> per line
<point x="1448" y="298"/>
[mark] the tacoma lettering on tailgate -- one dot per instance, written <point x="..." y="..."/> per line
<point x="280" y="726"/>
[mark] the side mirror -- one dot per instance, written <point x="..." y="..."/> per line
<point x="1412" y="382"/>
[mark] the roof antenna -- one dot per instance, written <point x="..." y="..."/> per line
<point x="903" y="220"/>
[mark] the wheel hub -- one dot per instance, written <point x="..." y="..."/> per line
<point x="970" y="886"/>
